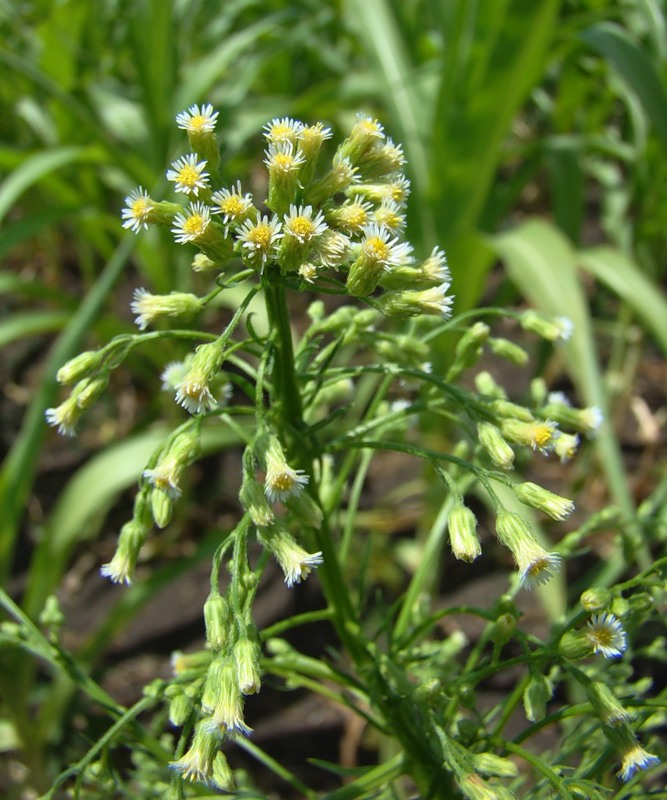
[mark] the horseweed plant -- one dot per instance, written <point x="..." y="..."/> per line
<point x="353" y="385"/>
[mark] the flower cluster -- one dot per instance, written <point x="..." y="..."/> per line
<point x="347" y="215"/>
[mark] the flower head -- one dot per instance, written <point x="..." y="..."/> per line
<point x="539" y="434"/>
<point x="188" y="174"/>
<point x="258" y="238"/>
<point x="634" y="759"/>
<point x="300" y="224"/>
<point x="606" y="635"/>
<point x="197" y="763"/>
<point x="232" y="204"/>
<point x="148" y="307"/>
<point x="566" y="446"/>
<point x="381" y="249"/>
<point x="192" y="226"/>
<point x="198" y="120"/>
<point x="122" y="566"/>
<point x="295" y="562"/>
<point x="281" y="480"/>
<point x="411" y="303"/>
<point x="282" y="159"/>
<point x="390" y="215"/>
<point x="138" y="206"/>
<point x="535" y="564"/>
<point x="65" y="416"/>
<point x="285" y="130"/>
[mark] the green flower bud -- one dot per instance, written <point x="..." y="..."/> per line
<point x="596" y="599"/>
<point x="305" y="509"/>
<point x="536" y="696"/>
<point x="495" y="445"/>
<point x="255" y="502"/>
<point x="495" y="766"/>
<point x="149" y="307"/>
<point x="606" y="705"/>
<point x="509" y="351"/>
<point x="80" y="366"/>
<point x="486" y="385"/>
<point x="246" y="657"/>
<point x="575" y="645"/>
<point x="536" y="496"/>
<point x="469" y="349"/>
<point x="162" y="507"/>
<point x="408" y="303"/>
<point x="551" y="329"/>
<point x="535" y="564"/>
<point x="217" y="621"/>
<point x="180" y="708"/>
<point x="463" y="539"/>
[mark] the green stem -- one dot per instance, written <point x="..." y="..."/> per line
<point x="286" y="395"/>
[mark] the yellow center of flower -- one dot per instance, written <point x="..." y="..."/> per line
<point x="141" y="208"/>
<point x="281" y="132"/>
<point x="195" y="225"/>
<point x="376" y="249"/>
<point x="283" y="162"/>
<point x="301" y="227"/>
<point x="260" y="237"/>
<point x="389" y="218"/>
<point x="308" y="272"/>
<point x="537" y="567"/>
<point x="188" y="176"/>
<point x="397" y="193"/>
<point x="369" y="127"/>
<point x="232" y="206"/>
<point x="542" y="435"/>
<point x="197" y="122"/>
<point x="355" y="216"/>
<point x="283" y="482"/>
<point x="603" y="637"/>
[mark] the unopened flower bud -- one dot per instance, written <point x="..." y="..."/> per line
<point x="495" y="445"/>
<point x="162" y="507"/>
<point x="509" y="351"/>
<point x="486" y="385"/>
<point x="80" y="366"/>
<point x="217" y="620"/>
<point x="254" y="501"/>
<point x="305" y="509"/>
<point x="551" y="329"/>
<point x="536" y="496"/>
<point x="463" y="539"/>
<point x="606" y="705"/>
<point x="575" y="646"/>
<point x="495" y="766"/>
<point x="149" y="307"/>
<point x="468" y="349"/>
<point x="180" y="708"/>
<point x="536" y="696"/>
<point x="596" y="599"/>
<point x="412" y="303"/>
<point x="246" y="659"/>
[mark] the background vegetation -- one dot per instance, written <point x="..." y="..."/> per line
<point x="535" y="135"/>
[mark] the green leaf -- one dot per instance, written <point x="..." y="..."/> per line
<point x="636" y="69"/>
<point x="620" y="274"/>
<point x="29" y="323"/>
<point x="35" y="167"/>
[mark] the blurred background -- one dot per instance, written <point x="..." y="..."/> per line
<point x="535" y="135"/>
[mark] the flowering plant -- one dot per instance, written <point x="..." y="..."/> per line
<point x="322" y="405"/>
